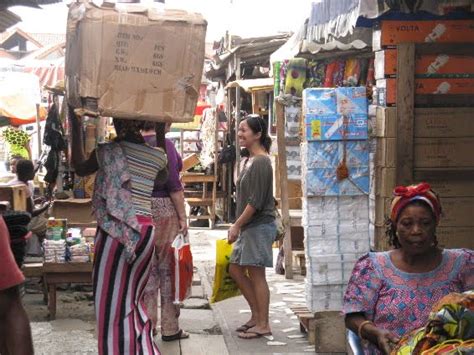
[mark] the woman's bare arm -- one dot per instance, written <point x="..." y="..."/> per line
<point x="81" y="165"/>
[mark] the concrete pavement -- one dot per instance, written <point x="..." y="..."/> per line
<point x="212" y="327"/>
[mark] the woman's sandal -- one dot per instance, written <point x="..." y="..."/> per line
<point x="254" y="335"/>
<point x="243" y="328"/>
<point x="178" y="336"/>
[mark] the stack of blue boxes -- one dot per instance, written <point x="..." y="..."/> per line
<point x="335" y="210"/>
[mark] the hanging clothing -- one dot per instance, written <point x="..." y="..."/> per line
<point x="53" y="137"/>
<point x="17" y="141"/>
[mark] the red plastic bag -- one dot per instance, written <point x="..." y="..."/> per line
<point x="181" y="268"/>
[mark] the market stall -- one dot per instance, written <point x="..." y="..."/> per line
<point x="412" y="87"/>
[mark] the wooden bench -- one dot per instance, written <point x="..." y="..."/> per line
<point x="36" y="270"/>
<point x="58" y="273"/>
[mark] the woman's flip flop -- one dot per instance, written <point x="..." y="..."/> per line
<point x="243" y="328"/>
<point x="179" y="335"/>
<point x="254" y="335"/>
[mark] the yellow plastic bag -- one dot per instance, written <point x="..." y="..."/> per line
<point x="224" y="286"/>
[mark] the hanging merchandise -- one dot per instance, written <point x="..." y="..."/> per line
<point x="208" y="137"/>
<point x="283" y="72"/>
<point x="182" y="268"/>
<point x="276" y="78"/>
<point x="364" y="67"/>
<point x="17" y="141"/>
<point x="54" y="138"/>
<point x="351" y="72"/>
<point x="296" y="77"/>
<point x="316" y="74"/>
<point x="292" y="121"/>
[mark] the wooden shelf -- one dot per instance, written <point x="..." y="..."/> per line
<point x="196" y="178"/>
<point x="198" y="201"/>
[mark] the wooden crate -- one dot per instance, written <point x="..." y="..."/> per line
<point x="15" y="195"/>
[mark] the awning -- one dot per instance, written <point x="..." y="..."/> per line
<point x="49" y="72"/>
<point x="250" y="85"/>
<point x="19" y="95"/>
<point x="335" y="19"/>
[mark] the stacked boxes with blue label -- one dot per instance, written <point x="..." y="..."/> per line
<point x="335" y="211"/>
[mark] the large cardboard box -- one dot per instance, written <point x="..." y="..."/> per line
<point x="391" y="33"/>
<point x="444" y="153"/>
<point x="448" y="237"/>
<point x="457" y="211"/>
<point x="387" y="88"/>
<point x="429" y="122"/>
<point x="134" y="61"/>
<point x="430" y="152"/>
<point x="425" y="65"/>
<point x="385" y="182"/>
<point x="455" y="237"/>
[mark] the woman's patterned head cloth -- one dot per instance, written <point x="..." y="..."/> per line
<point x="405" y="195"/>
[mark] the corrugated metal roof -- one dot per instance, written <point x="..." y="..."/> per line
<point x="49" y="39"/>
<point x="8" y="19"/>
<point x="250" y="51"/>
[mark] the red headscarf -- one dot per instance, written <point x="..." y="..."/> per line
<point x="404" y="195"/>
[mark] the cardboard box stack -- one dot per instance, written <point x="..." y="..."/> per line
<point x="335" y="211"/>
<point x="134" y="61"/>
<point x="435" y="73"/>
<point x="443" y="137"/>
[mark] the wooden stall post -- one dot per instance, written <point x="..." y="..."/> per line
<point x="38" y="127"/>
<point x="405" y="113"/>
<point x="285" y="203"/>
<point x="237" y="115"/>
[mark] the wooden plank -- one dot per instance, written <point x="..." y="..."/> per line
<point x="283" y="172"/>
<point x="33" y="270"/>
<point x="195" y="178"/>
<point x="67" y="267"/>
<point x="405" y="112"/>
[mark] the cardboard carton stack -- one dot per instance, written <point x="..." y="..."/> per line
<point x="134" y="61"/>
<point x="435" y="73"/>
<point x="335" y="210"/>
<point x="443" y="140"/>
<point x="443" y="137"/>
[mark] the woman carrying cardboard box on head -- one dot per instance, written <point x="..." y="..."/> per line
<point x="126" y="172"/>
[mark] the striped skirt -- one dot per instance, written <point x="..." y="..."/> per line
<point x="123" y="325"/>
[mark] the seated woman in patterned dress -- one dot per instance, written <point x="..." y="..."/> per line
<point x="391" y="293"/>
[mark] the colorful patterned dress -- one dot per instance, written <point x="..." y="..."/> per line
<point x="124" y="246"/>
<point x="166" y="221"/>
<point x="398" y="301"/>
